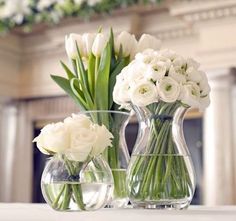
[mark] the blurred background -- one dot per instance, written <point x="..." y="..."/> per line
<point x="32" y="44"/>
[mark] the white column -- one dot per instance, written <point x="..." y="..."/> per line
<point x="218" y="138"/>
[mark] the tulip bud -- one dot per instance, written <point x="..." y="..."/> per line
<point x="148" y="42"/>
<point x="70" y="44"/>
<point x="88" y="40"/>
<point x="127" y="42"/>
<point x="99" y="44"/>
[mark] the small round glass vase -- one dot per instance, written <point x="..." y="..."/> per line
<point x="70" y="185"/>
<point x="161" y="174"/>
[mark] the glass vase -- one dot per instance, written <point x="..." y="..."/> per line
<point x="70" y="185"/>
<point x="161" y="173"/>
<point x="117" y="156"/>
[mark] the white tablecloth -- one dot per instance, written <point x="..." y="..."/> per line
<point x="41" y="212"/>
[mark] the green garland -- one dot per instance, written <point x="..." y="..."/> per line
<point x="55" y="12"/>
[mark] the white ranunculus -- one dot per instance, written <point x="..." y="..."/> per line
<point x="99" y="44"/>
<point x="143" y="94"/>
<point x="147" y="57"/>
<point x="178" y="73"/>
<point x="127" y="42"/>
<point x="204" y="85"/>
<point x="88" y="39"/>
<point x="168" y="54"/>
<point x="77" y="121"/>
<point x="53" y="138"/>
<point x="121" y="93"/>
<point x="70" y="44"/>
<point x="102" y="140"/>
<point x="193" y="75"/>
<point x="192" y="63"/>
<point x="179" y="61"/>
<point x="190" y="94"/>
<point x="148" y="42"/>
<point x="157" y="72"/>
<point x="136" y="72"/>
<point x="204" y="102"/>
<point x="168" y="89"/>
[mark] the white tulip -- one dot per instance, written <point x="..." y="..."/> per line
<point x="157" y="72"/>
<point x="102" y="140"/>
<point x="169" y="89"/>
<point x="148" y="42"/>
<point x="190" y="94"/>
<point x="143" y="94"/>
<point x="53" y="138"/>
<point x="127" y="42"/>
<point x="178" y="73"/>
<point x="70" y="44"/>
<point x="88" y="40"/>
<point x="99" y="44"/>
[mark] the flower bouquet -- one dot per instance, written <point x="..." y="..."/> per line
<point x="161" y="86"/>
<point x="77" y="177"/>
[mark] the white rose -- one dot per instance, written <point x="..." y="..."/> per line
<point x="143" y="94"/>
<point x="178" y="73"/>
<point x="148" y="42"/>
<point x="77" y="121"/>
<point x="99" y="44"/>
<point x="54" y="138"/>
<point x="102" y="140"/>
<point x="157" y="71"/>
<point x="169" y="89"/>
<point x="70" y="44"/>
<point x="127" y="42"/>
<point x="190" y="94"/>
<point x="88" y="39"/>
<point x="81" y="143"/>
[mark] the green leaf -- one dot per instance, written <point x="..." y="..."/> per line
<point x="102" y="82"/>
<point x="80" y="66"/>
<point x="113" y="56"/>
<point x="69" y="73"/>
<point x="65" y="85"/>
<point x="74" y="84"/>
<point x="112" y="82"/>
<point x="91" y="73"/>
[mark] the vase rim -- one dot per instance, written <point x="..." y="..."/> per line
<point x="105" y="111"/>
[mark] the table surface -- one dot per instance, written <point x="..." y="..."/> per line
<point x="42" y="212"/>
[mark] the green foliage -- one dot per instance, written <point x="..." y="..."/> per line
<point x="57" y="11"/>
